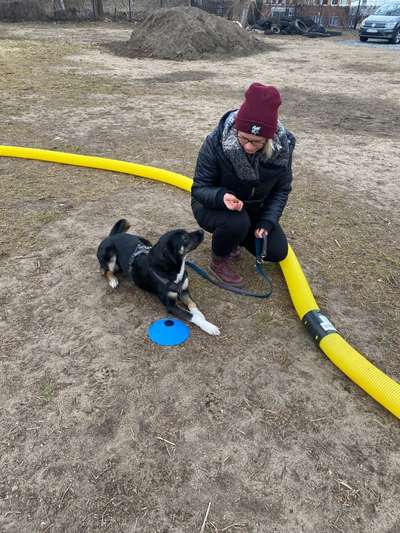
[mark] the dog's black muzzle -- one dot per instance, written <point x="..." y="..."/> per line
<point x="196" y="238"/>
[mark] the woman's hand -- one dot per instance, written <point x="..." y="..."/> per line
<point x="232" y="203"/>
<point x="260" y="232"/>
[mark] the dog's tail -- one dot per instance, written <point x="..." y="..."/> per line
<point x="120" y="227"/>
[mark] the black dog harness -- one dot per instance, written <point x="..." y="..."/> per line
<point x="139" y="250"/>
<point x="170" y="286"/>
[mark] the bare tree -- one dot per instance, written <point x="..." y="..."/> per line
<point x="59" y="5"/>
<point x="98" y="9"/>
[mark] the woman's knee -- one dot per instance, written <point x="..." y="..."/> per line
<point x="277" y="246"/>
<point x="278" y="254"/>
<point x="237" y="222"/>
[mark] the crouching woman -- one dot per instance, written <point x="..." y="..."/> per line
<point x="242" y="181"/>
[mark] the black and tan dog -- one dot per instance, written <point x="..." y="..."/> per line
<point x="159" y="269"/>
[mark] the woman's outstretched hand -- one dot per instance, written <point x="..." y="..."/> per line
<point x="232" y="203"/>
<point x="260" y="232"/>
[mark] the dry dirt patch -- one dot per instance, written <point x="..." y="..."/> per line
<point x="344" y="114"/>
<point x="262" y="425"/>
<point x="372" y="68"/>
<point x="189" y="75"/>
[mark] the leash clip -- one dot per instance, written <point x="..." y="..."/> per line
<point x="261" y="248"/>
<point x="264" y="246"/>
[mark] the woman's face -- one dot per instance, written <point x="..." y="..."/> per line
<point x="250" y="143"/>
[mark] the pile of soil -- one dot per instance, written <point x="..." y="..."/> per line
<point x="188" y="33"/>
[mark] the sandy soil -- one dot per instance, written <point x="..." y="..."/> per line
<point x="263" y="426"/>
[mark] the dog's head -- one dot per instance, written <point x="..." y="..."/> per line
<point x="174" y="245"/>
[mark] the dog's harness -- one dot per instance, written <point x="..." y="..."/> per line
<point x="139" y="250"/>
<point x="170" y="286"/>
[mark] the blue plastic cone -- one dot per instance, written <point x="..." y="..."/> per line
<point x="168" y="332"/>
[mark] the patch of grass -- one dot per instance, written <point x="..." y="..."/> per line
<point x="46" y="392"/>
<point x="264" y="316"/>
<point x="45" y="217"/>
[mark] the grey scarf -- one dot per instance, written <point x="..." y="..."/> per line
<point x="247" y="166"/>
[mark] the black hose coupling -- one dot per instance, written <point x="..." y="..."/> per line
<point x="318" y="325"/>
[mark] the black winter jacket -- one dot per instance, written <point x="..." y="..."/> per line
<point x="215" y="176"/>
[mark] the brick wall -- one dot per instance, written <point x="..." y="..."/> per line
<point x="326" y="15"/>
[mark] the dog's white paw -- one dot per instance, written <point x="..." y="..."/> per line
<point x="209" y="328"/>
<point x="199" y="319"/>
<point x="113" y="283"/>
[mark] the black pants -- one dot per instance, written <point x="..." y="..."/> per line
<point x="232" y="228"/>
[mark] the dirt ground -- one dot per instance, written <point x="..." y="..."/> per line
<point x="259" y="423"/>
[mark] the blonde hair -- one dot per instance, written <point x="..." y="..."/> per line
<point x="268" y="149"/>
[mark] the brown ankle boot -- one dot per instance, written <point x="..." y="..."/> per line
<point x="222" y="268"/>
<point x="235" y="254"/>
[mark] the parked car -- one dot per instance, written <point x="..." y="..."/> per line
<point x="383" y="24"/>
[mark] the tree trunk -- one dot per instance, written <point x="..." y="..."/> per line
<point x="98" y="9"/>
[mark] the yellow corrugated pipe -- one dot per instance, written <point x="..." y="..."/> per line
<point x="381" y="387"/>
<point x="102" y="163"/>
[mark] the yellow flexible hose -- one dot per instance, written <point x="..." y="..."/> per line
<point x="381" y="387"/>
<point x="102" y="163"/>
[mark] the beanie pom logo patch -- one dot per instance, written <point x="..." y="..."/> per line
<point x="255" y="130"/>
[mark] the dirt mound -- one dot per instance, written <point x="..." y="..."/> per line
<point x="188" y="33"/>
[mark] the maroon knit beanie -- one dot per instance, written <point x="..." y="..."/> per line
<point x="258" y="114"/>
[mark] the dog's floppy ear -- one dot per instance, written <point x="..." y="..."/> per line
<point x="170" y="252"/>
<point x="163" y="253"/>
